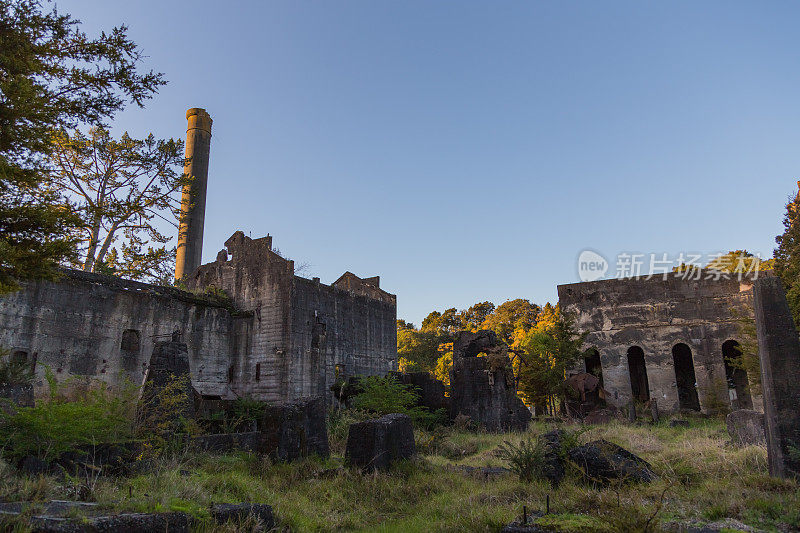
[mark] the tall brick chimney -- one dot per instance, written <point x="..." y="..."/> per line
<point x="193" y="201"/>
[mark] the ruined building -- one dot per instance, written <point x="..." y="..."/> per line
<point x="272" y="335"/>
<point x="666" y="339"/>
<point x="482" y="383"/>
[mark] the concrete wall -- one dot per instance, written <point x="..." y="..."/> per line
<point x="280" y="338"/>
<point x="332" y="326"/>
<point x="259" y="281"/>
<point x="301" y="329"/>
<point x="76" y="326"/>
<point x="656" y="314"/>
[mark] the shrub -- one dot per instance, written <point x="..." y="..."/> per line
<point x="244" y="414"/>
<point x="56" y="426"/>
<point x="339" y="425"/>
<point x="387" y="395"/>
<point x="384" y="395"/>
<point x="14" y="371"/>
<point x="160" y="416"/>
<point x="525" y="459"/>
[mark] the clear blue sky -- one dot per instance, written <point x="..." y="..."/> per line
<point x="468" y="151"/>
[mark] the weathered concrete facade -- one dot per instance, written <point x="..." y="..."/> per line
<point x="91" y="326"/>
<point x="779" y="356"/>
<point x="665" y="339"/>
<point x="280" y="337"/>
<point x="301" y="332"/>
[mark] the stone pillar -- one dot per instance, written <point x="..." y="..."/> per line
<point x="169" y="362"/>
<point x="193" y="201"/>
<point x="779" y="352"/>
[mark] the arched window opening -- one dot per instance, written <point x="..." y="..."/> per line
<point x="593" y="366"/>
<point x="736" y="376"/>
<point x="685" y="377"/>
<point x="19" y="356"/>
<point x="640" y="388"/>
<point x="130" y="348"/>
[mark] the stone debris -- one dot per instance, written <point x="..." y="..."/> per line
<point x="295" y="430"/>
<point x="482" y="383"/>
<point x="376" y="444"/>
<point x="602" y="415"/>
<point x="604" y="461"/>
<point x="553" y="443"/>
<point x="59" y="516"/>
<point x="526" y="524"/>
<point x="239" y="512"/>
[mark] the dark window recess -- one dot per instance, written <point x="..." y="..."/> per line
<point x="258" y="371"/>
<point x="685" y="378"/>
<point x="640" y="387"/>
<point x="130" y="347"/>
<point x="231" y="372"/>
<point x="738" y="384"/>
<point x="593" y="365"/>
<point x="19" y="356"/>
<point x="131" y="342"/>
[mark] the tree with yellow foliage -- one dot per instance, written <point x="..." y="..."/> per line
<point x="549" y="349"/>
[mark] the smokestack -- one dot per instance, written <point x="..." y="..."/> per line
<point x="193" y="201"/>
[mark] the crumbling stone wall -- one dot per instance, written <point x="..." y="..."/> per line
<point x="94" y="326"/>
<point x="258" y="280"/>
<point x="656" y="315"/>
<point x="302" y="330"/>
<point x="280" y="337"/>
<point x="339" y="328"/>
<point x="482" y="388"/>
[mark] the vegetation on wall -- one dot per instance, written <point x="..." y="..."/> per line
<point x="14" y="371"/>
<point x="60" y="424"/>
<point x="386" y="395"/>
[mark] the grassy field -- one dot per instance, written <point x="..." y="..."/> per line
<point x="703" y="479"/>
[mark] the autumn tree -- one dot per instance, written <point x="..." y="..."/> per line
<point x="473" y="318"/>
<point x="787" y="256"/>
<point x="444" y="324"/>
<point x="740" y="262"/>
<point x="512" y="320"/>
<point x="417" y="351"/>
<point x="430" y="347"/>
<point x="52" y="76"/>
<point x="122" y="189"/>
<point x="552" y="347"/>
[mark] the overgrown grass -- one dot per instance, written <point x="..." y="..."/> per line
<point x="57" y="425"/>
<point x="703" y="479"/>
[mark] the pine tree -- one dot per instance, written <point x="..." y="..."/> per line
<point x="52" y="76"/>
